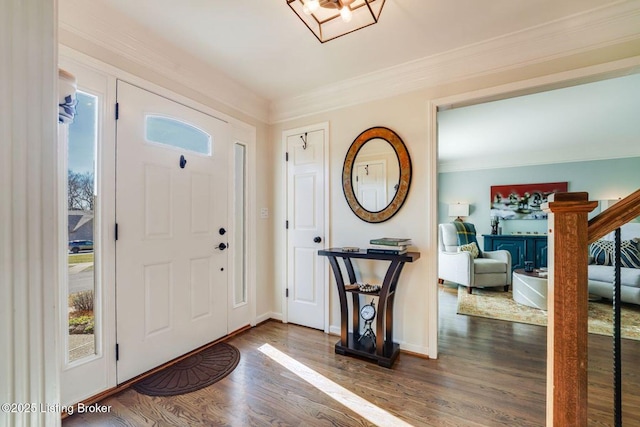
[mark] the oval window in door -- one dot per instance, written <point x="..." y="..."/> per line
<point x="178" y="134"/>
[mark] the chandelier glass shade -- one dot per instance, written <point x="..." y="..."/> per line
<point x="330" y="19"/>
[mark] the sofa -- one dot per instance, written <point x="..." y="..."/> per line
<point x="600" y="267"/>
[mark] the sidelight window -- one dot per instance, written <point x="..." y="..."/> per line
<point x="240" y="219"/>
<point x="82" y="238"/>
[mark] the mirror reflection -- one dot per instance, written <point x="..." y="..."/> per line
<point x="375" y="175"/>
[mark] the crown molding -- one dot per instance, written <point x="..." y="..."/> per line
<point x="597" y="28"/>
<point x="83" y="25"/>
<point x="87" y="24"/>
<point x="532" y="159"/>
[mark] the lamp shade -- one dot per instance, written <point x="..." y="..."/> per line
<point x="459" y="209"/>
<point x="606" y="204"/>
<point x="335" y="18"/>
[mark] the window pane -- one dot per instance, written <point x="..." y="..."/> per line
<point x="166" y="131"/>
<point x="81" y="196"/>
<point x="239" y="237"/>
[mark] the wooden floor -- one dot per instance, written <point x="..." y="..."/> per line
<point x="489" y="373"/>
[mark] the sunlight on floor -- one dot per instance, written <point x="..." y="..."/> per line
<point x="367" y="410"/>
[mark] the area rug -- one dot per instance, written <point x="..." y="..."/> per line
<point x="193" y="373"/>
<point x="497" y="304"/>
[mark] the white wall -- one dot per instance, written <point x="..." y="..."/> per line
<point x="410" y="116"/>
<point x="348" y="230"/>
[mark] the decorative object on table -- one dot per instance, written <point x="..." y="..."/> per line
<point x="390" y="241"/>
<point x="368" y="313"/>
<point x="495" y="221"/>
<point x="522" y="201"/>
<point x="350" y="249"/>
<point x="396" y="173"/>
<point x="528" y="266"/>
<point x="459" y="210"/>
<point x="330" y="19"/>
<point x="389" y="246"/>
<point x="367" y="288"/>
<point x="388" y="251"/>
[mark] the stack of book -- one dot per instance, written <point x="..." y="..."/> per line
<point x="389" y="246"/>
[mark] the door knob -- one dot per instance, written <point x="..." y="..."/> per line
<point x="222" y="231"/>
<point x="317" y="239"/>
<point x="221" y="246"/>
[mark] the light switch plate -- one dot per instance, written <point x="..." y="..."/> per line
<point x="264" y="213"/>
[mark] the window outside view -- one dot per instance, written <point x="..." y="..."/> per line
<point x="81" y="197"/>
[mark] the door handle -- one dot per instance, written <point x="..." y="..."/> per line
<point x="221" y="246"/>
<point x="317" y="239"/>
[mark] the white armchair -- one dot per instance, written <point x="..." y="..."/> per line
<point x="492" y="269"/>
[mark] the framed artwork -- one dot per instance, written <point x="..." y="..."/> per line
<point x="522" y="201"/>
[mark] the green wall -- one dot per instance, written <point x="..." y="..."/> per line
<point x="602" y="179"/>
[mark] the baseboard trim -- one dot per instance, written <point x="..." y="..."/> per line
<point x="267" y="316"/>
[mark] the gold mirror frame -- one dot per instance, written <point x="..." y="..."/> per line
<point x="404" y="162"/>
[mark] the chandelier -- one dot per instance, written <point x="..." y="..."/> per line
<point x="330" y="19"/>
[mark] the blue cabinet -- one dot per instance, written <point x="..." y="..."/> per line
<point x="526" y="247"/>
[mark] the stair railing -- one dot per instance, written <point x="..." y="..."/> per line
<point x="569" y="233"/>
<point x="621" y="213"/>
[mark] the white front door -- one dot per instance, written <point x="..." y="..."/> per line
<point x="306" y="204"/>
<point x="171" y="210"/>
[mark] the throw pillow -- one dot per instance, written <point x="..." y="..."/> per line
<point x="602" y="252"/>
<point x="630" y="254"/>
<point x="466" y="233"/>
<point x="471" y="248"/>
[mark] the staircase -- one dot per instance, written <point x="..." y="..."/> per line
<point x="570" y="233"/>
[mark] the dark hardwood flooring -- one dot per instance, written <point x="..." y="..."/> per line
<point x="489" y="373"/>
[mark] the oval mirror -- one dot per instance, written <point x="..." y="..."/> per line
<point x="376" y="174"/>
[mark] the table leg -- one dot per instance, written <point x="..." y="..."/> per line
<point x="344" y="321"/>
<point x="385" y="308"/>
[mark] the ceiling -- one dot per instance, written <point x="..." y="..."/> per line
<point x="259" y="58"/>
<point x="263" y="45"/>
<point x="591" y="121"/>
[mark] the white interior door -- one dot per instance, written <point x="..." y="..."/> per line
<point x="306" y="286"/>
<point x="371" y="185"/>
<point x="171" y="196"/>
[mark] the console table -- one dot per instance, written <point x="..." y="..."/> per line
<point x="384" y="351"/>
<point x="523" y="247"/>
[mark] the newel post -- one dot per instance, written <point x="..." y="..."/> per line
<point x="567" y="309"/>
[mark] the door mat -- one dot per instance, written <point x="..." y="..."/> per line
<point x="494" y="303"/>
<point x="193" y="373"/>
